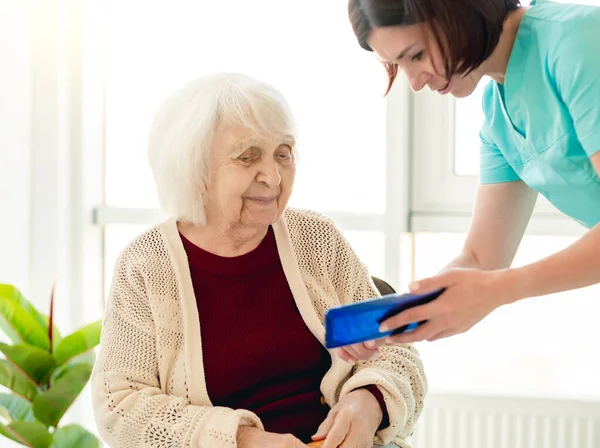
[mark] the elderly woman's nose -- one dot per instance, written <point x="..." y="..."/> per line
<point x="270" y="174"/>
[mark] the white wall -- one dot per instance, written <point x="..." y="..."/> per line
<point x="15" y="147"/>
<point x="15" y="132"/>
<point x="15" y="150"/>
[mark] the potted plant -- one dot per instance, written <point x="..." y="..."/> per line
<point x="44" y="373"/>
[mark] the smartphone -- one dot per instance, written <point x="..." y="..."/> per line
<point x="359" y="322"/>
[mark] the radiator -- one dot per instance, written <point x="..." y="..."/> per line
<point x="464" y="421"/>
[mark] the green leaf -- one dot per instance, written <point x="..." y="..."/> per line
<point x="17" y="381"/>
<point x="85" y="358"/>
<point x="32" y="434"/>
<point x="81" y="341"/>
<point x="51" y="405"/>
<point x="38" y="364"/>
<point x="57" y="338"/>
<point x="18" y="408"/>
<point x="13" y="294"/>
<point x="5" y="416"/>
<point x="20" y="326"/>
<point x="74" y="436"/>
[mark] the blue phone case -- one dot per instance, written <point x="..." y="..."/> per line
<point x="359" y="322"/>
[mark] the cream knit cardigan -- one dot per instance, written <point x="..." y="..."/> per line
<point x="148" y="383"/>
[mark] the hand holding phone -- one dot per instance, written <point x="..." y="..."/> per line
<point x="359" y="322"/>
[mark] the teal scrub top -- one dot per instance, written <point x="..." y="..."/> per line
<point x="543" y="124"/>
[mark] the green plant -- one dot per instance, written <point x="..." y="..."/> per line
<point x="44" y="373"/>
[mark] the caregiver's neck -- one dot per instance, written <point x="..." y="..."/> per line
<point x="495" y="66"/>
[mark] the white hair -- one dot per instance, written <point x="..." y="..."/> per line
<point x="183" y="130"/>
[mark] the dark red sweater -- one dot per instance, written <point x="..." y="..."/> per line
<point x="258" y="353"/>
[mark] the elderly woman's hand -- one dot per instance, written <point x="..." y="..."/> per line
<point x="367" y="351"/>
<point x="249" y="437"/>
<point x="352" y="422"/>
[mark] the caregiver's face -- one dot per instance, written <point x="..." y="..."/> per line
<point x="415" y="50"/>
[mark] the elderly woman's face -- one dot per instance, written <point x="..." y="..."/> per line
<point x="251" y="177"/>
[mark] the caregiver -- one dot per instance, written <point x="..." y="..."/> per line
<point x="541" y="134"/>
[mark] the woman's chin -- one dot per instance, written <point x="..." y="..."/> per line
<point x="461" y="93"/>
<point x="261" y="219"/>
<point x="463" y="89"/>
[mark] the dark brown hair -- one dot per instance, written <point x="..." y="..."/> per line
<point x="466" y="31"/>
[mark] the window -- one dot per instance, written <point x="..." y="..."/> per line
<point x="468" y="117"/>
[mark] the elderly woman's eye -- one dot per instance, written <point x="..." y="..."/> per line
<point x="249" y="155"/>
<point x="285" y="149"/>
<point x="284" y="153"/>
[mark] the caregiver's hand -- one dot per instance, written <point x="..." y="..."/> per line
<point x="470" y="295"/>
<point x="249" y="437"/>
<point x="352" y="422"/>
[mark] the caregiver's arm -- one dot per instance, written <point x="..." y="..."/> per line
<point x="500" y="218"/>
<point x="474" y="287"/>
<point x="474" y="293"/>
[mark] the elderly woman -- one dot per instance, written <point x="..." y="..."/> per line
<point x="213" y="334"/>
